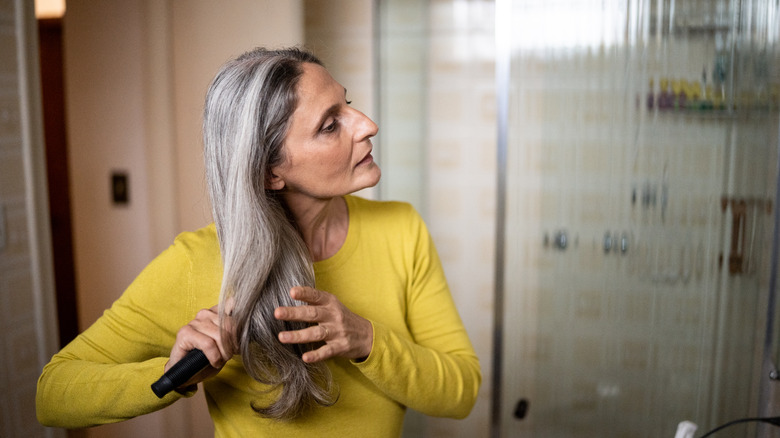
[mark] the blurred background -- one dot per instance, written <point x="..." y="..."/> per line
<point x="600" y="179"/>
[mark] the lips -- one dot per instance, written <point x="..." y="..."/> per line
<point x="368" y="159"/>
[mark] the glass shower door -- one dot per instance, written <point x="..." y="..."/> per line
<point x="641" y="164"/>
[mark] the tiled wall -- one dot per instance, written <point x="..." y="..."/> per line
<point x="438" y="116"/>
<point x="25" y="293"/>
<point x="19" y="347"/>
<point x="461" y="176"/>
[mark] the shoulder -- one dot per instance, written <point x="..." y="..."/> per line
<point x="393" y="219"/>
<point x="180" y="280"/>
<point x="389" y="211"/>
<point x="203" y="237"/>
<point x="199" y="245"/>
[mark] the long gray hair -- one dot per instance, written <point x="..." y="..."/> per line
<point x="249" y="106"/>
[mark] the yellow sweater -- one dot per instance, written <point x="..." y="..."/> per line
<point x="387" y="271"/>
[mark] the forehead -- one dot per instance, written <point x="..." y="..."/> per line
<point x="315" y="83"/>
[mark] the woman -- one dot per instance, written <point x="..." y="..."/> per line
<point x="334" y="314"/>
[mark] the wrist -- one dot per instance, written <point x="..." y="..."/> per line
<point x="369" y="341"/>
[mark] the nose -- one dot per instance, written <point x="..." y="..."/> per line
<point x="365" y="128"/>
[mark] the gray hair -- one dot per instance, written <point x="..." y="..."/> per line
<point x="249" y="106"/>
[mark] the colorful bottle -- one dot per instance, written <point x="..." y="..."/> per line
<point x="651" y="95"/>
<point x="679" y="96"/>
<point x="665" y="99"/>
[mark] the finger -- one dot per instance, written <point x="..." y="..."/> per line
<point x="209" y="328"/>
<point x="229" y="305"/>
<point x="325" y="352"/>
<point x="202" y="333"/>
<point x="189" y="339"/>
<point x="207" y="321"/>
<point x="309" y="295"/>
<point x="229" y="342"/>
<point x="225" y="326"/>
<point x="315" y="333"/>
<point x="207" y="344"/>
<point x="300" y="313"/>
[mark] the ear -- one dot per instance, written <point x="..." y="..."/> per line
<point x="274" y="181"/>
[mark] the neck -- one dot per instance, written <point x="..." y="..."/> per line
<point x="323" y="223"/>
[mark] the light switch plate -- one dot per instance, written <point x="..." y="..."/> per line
<point x="120" y="188"/>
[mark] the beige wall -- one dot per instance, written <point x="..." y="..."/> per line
<point x="105" y="113"/>
<point x="136" y="75"/>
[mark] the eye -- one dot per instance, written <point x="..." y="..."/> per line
<point x="330" y="127"/>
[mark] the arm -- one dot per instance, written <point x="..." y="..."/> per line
<point x="438" y="375"/>
<point x="436" y="372"/>
<point x="105" y="374"/>
<point x="420" y="354"/>
<point x="434" y="382"/>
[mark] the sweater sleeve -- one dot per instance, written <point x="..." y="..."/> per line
<point x="105" y="374"/>
<point x="436" y="372"/>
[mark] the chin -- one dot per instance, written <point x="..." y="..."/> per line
<point x="377" y="177"/>
<point x="369" y="179"/>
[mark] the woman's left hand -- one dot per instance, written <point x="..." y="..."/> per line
<point x="345" y="334"/>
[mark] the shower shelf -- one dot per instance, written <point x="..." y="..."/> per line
<point x="715" y="114"/>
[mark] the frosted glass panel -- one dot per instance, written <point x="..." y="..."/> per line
<point x="640" y="181"/>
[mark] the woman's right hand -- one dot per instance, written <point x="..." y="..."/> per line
<point x="204" y="334"/>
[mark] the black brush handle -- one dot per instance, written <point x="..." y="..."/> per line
<point x="192" y="363"/>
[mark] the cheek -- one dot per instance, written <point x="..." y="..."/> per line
<point x="335" y="160"/>
<point x="320" y="160"/>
